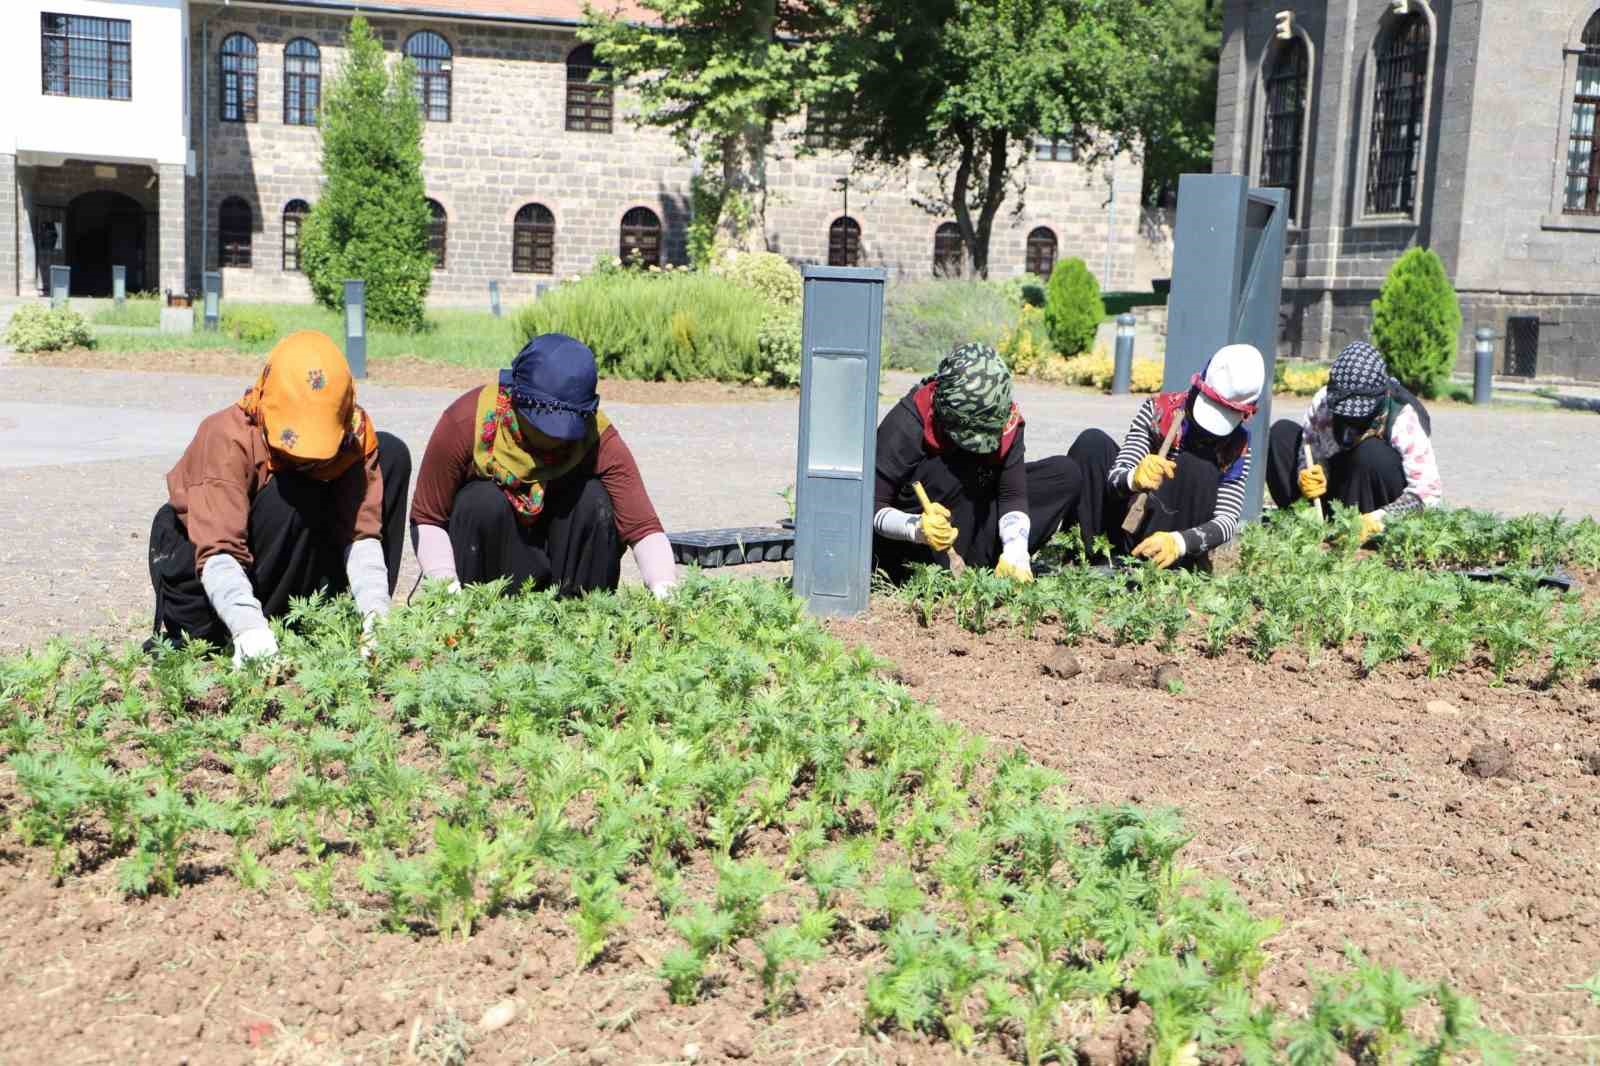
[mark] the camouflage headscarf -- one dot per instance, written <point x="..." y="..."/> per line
<point x="972" y="397"/>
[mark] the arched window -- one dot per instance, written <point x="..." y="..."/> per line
<point x="294" y="213"/>
<point x="302" y="82"/>
<point x="438" y="233"/>
<point x="1283" y="121"/>
<point x="1041" y="258"/>
<point x="641" y="237"/>
<point x="533" y="240"/>
<point x="947" y="250"/>
<point x="234" y="224"/>
<point x="1583" y="162"/>
<point x="430" y="54"/>
<point x="238" y="78"/>
<point x="1394" y="145"/>
<point x="844" y="243"/>
<point x="588" y="102"/>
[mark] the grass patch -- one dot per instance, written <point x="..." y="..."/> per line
<point x="138" y="313"/>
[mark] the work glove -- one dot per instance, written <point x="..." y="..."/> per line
<point x="1371" y="525"/>
<point x="1021" y="573"/>
<point x="663" y="590"/>
<point x="1314" y="482"/>
<point x="1152" y="471"/>
<point x="254" y="645"/>
<point x="1162" y="548"/>
<point x="935" y="528"/>
<point x="369" y="637"/>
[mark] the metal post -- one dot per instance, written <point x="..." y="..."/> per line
<point x="119" y="284"/>
<point x="1122" y="370"/>
<point x="60" y="285"/>
<point x="211" y="282"/>
<point x="494" y="298"/>
<point x="355" y="327"/>
<point x="1483" y="366"/>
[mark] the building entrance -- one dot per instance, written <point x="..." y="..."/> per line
<point x="105" y="229"/>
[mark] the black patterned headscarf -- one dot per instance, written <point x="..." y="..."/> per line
<point x="1359" y="382"/>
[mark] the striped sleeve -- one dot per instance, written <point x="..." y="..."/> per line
<point x="1135" y="446"/>
<point x="1224" y="524"/>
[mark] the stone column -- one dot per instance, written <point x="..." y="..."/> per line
<point x="174" y="231"/>
<point x="10" y="247"/>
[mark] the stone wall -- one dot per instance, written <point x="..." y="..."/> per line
<point x="506" y="146"/>
<point x="10" y="251"/>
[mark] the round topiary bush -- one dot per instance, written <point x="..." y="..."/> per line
<point x="37" y="328"/>
<point x="1072" y="307"/>
<point x="1416" y="320"/>
<point x="766" y="273"/>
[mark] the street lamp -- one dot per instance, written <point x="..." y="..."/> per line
<point x="119" y="284"/>
<point x="60" y="285"/>
<point x="355" y="327"/>
<point x="211" y="282"/>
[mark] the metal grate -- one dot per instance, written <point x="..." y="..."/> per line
<point x="947" y="251"/>
<point x="844" y="243"/>
<point x="588" y="102"/>
<point x="1283" y="128"/>
<point x="238" y="78"/>
<point x="1583" y="162"/>
<point x="1394" y="149"/>
<point x="430" y="54"/>
<point x="533" y="240"/>
<point x="438" y="233"/>
<point x="1522" y="345"/>
<point x="824" y="127"/>
<point x="641" y="237"/>
<point x="294" y="213"/>
<point x="1041" y="251"/>
<point x="84" y="56"/>
<point x="302" y="83"/>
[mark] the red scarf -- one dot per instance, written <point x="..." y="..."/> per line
<point x="935" y="440"/>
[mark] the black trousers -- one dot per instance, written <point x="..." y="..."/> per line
<point x="1053" y="487"/>
<point x="573" y="545"/>
<point x="1182" y="502"/>
<point x="1369" y="476"/>
<point x="290" y="536"/>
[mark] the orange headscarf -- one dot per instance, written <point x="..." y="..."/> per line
<point x="305" y="403"/>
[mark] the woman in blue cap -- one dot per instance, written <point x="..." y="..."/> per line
<point x="525" y="478"/>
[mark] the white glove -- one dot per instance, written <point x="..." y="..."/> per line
<point x="1015" y="555"/>
<point x="369" y="640"/>
<point x="254" y="644"/>
<point x="663" y="590"/>
<point x="454" y="587"/>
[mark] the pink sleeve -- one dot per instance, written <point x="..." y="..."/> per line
<point x="1417" y="457"/>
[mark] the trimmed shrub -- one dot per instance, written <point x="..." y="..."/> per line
<point x="1027" y="344"/>
<point x="37" y="328"/>
<point x="766" y="273"/>
<point x="1072" y="307"/>
<point x="1095" y="369"/>
<point x="1416" y="321"/>
<point x="924" y="320"/>
<point x="1301" y="380"/>
<point x="1024" y="290"/>
<point x="771" y="277"/>
<point x="252" y="327"/>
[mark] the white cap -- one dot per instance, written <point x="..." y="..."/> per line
<point x="1236" y="374"/>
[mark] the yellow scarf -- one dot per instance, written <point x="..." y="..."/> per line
<point x="499" y="455"/>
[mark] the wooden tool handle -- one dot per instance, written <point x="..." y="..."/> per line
<point x="957" y="564"/>
<point x="1136" y="509"/>
<point x="1311" y="462"/>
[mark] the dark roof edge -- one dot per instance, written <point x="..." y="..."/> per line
<point x="356" y="7"/>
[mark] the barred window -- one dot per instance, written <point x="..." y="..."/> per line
<point x="234" y="224"/>
<point x="238" y="78"/>
<point x="438" y="232"/>
<point x="294" y="213"/>
<point x="302" y="83"/>
<point x="430" y="54"/>
<point x="844" y="242"/>
<point x="947" y="250"/>
<point x="1583" y="162"/>
<point x="89" y="57"/>
<point x="1283" y="125"/>
<point x="533" y="240"/>
<point x="824" y="128"/>
<point x="1394" y="147"/>
<point x="641" y="237"/>
<point x="1057" y="148"/>
<point x="588" y="102"/>
<point x="1041" y="257"/>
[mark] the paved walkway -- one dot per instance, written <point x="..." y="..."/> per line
<point x="83" y="456"/>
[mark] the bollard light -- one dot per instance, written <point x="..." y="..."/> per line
<point x="119" y="284"/>
<point x="1483" y="366"/>
<point x="60" y="285"/>
<point x="1122" y="369"/>
<point x="355" y="327"/>
<point x="494" y="298"/>
<point x="211" y="282"/>
<point x="540" y="289"/>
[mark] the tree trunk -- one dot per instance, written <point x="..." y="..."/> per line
<point x="958" y="199"/>
<point x="994" y="193"/>
<point x="984" y="156"/>
<point x="742" y="226"/>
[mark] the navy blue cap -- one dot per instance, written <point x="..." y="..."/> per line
<point x="552" y="383"/>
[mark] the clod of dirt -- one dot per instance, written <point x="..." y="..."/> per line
<point x="1061" y="663"/>
<point x="1169" y="678"/>
<point x="498" y="1016"/>
<point x="1489" y="760"/>
<point x="1442" y="707"/>
<point x="1591" y="763"/>
<point x="1115" y="673"/>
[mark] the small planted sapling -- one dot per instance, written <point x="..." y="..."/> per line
<point x="599" y="914"/>
<point x="780" y="947"/>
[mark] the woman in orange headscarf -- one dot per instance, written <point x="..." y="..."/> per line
<point x="286" y="492"/>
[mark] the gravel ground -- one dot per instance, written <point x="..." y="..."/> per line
<point x="83" y="454"/>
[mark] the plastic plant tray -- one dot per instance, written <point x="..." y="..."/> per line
<point x="710" y="548"/>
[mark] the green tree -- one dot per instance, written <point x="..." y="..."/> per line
<point x="720" y="75"/>
<point x="969" y="85"/>
<point x="371" y="221"/>
<point x="1072" y="307"/>
<point x="1178" y="129"/>
<point x="1416" y="320"/>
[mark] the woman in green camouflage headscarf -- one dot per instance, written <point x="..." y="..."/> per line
<point x="958" y="436"/>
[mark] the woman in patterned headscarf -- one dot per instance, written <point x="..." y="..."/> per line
<point x="958" y="434"/>
<point x="1369" y="440"/>
<point x="287" y="492"/>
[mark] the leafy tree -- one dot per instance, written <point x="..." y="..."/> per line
<point x="371" y="221"/>
<point x="1416" y="320"/>
<point x="969" y="85"/>
<point x="1072" y="308"/>
<point x="1178" y="129"/>
<point x="720" y="75"/>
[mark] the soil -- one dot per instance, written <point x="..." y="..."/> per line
<point x="1335" y="802"/>
<point x="402" y="371"/>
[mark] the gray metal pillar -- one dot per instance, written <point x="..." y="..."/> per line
<point x="1483" y="366"/>
<point x="60" y="285"/>
<point x="211" y="283"/>
<point x="119" y="284"/>
<point x="355" y="327"/>
<point x="840" y="349"/>
<point x="494" y="298"/>
<point x="1122" y="368"/>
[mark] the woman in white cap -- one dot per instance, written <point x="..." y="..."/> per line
<point x="1369" y="441"/>
<point x="1196" y="493"/>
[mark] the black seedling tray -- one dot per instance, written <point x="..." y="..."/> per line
<point x="710" y="548"/>
<point x="1554" y="579"/>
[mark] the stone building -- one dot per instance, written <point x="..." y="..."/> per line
<point x="532" y="171"/>
<point x="1463" y="126"/>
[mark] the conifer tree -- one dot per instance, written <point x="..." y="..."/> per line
<point x="1416" y="320"/>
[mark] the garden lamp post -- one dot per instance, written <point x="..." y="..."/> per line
<point x="119" y="284"/>
<point x="1483" y="365"/>
<point x="211" y="282"/>
<point x="60" y="285"/>
<point x="1122" y="370"/>
<point x="494" y="298"/>
<point x="355" y="327"/>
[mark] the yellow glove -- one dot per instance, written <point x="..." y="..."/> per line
<point x="1163" y="549"/>
<point x="1314" y="482"/>
<point x="1371" y="525"/>
<point x="936" y="528"/>
<point x="1152" y="471"/>
<point x="1006" y="568"/>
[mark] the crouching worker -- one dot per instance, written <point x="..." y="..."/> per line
<point x="287" y="492"/>
<point x="1369" y="441"/>
<point x="958" y="435"/>
<point x="1196" y="493"/>
<point x="525" y="478"/>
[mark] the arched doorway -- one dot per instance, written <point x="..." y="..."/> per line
<point x="104" y="229"/>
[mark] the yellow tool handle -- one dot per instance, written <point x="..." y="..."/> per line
<point x="957" y="564"/>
